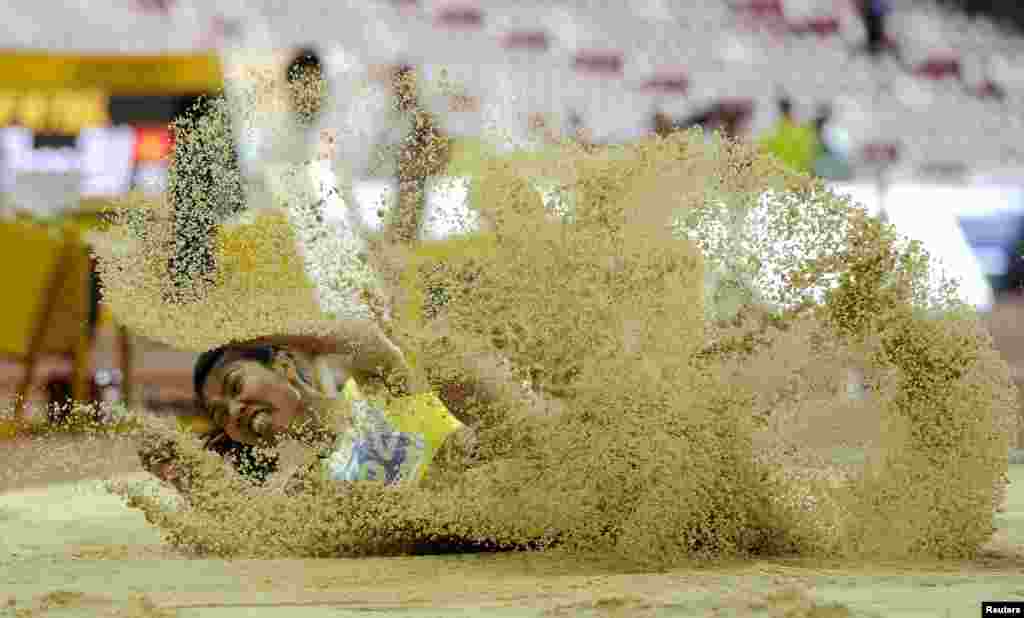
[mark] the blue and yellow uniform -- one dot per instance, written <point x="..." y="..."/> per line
<point x="394" y="442"/>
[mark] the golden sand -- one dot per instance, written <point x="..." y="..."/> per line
<point x="696" y="314"/>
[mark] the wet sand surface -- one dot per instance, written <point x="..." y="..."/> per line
<point x="68" y="548"/>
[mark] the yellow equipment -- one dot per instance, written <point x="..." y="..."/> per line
<point x="48" y="301"/>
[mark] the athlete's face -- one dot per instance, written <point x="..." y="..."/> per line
<point x="250" y="401"/>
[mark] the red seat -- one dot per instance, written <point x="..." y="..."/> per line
<point x="939" y="67"/>
<point x="821" y="26"/>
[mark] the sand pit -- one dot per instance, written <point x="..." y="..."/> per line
<point x="69" y="548"/>
<point x="698" y="314"/>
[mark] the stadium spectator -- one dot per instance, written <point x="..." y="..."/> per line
<point x="793" y="143"/>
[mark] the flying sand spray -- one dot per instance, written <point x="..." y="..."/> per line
<point x="695" y="313"/>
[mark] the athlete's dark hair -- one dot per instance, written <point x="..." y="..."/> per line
<point x="208" y="360"/>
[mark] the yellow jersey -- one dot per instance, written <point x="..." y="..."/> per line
<point x="394" y="442"/>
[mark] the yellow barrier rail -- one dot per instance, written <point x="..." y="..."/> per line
<point x="114" y="74"/>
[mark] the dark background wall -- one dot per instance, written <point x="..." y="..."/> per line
<point x="139" y="110"/>
<point x="1007" y="12"/>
